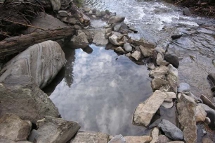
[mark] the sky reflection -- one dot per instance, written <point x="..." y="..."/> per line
<point x="103" y="92"/>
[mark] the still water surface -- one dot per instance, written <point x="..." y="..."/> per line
<point x="101" y="91"/>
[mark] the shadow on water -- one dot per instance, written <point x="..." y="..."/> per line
<point x="100" y="90"/>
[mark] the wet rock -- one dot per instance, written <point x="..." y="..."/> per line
<point x="207" y="102"/>
<point x="150" y="66"/>
<point x="127" y="47"/>
<point x="184" y="87"/>
<point x="28" y="102"/>
<point x="90" y="137"/>
<point x="56" y="4"/>
<point x="117" y="27"/>
<point x="147" y="52"/>
<point x="115" y="19"/>
<point x="117" y="139"/>
<point x="72" y="21"/>
<point x="46" y="58"/>
<point x="119" y="50"/>
<point x="87" y="9"/>
<point x="160" y="60"/>
<point x="54" y="130"/>
<point x="187" y="110"/>
<point x="154" y="135"/>
<point x="124" y="28"/>
<point x="207" y="140"/>
<point x="99" y="39"/>
<point x="159" y="84"/>
<point x="186" y="11"/>
<point x="136" y="55"/>
<point x="45" y="21"/>
<point x="168" y="104"/>
<point x="172" y="77"/>
<point x="172" y="59"/>
<point x="103" y="13"/>
<point x="98" y="13"/>
<point x="63" y="13"/>
<point x="170" y="130"/>
<point x="176" y="36"/>
<point x="146" y="110"/>
<point x="159" y="72"/>
<point x="200" y="114"/>
<point x="163" y="139"/>
<point x="13" y="128"/>
<point x="116" y="39"/>
<point x="210" y="114"/>
<point x="137" y="139"/>
<point x="80" y="41"/>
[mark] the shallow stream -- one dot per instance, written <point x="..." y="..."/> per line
<point x="100" y="89"/>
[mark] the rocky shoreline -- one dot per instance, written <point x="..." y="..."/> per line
<point x="28" y="115"/>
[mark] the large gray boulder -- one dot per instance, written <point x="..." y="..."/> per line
<point x="54" y="130"/>
<point x="41" y="61"/>
<point x="170" y="130"/>
<point x="13" y="128"/>
<point x="146" y="110"/>
<point x="25" y="100"/>
<point x="187" y="110"/>
<point x="90" y="137"/>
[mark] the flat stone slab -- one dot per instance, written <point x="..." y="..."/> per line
<point x="90" y="137"/>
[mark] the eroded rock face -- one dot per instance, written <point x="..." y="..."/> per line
<point x="171" y="130"/>
<point x="54" y="130"/>
<point x="13" y="128"/>
<point x="146" y="110"/>
<point x="41" y="61"/>
<point x="187" y="110"/>
<point x="90" y="137"/>
<point x="26" y="100"/>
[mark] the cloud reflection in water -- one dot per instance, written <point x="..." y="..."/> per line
<point x="104" y="92"/>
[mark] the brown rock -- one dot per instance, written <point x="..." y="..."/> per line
<point x="155" y="134"/>
<point x="138" y="139"/>
<point x="163" y="139"/>
<point x="90" y="137"/>
<point x="146" y="110"/>
<point x="187" y="110"/>
<point x="200" y="114"/>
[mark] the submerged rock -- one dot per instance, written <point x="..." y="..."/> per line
<point x="28" y="102"/>
<point x="171" y="130"/>
<point x="187" y="110"/>
<point x="13" y="128"/>
<point x="172" y="59"/>
<point x="146" y="110"/>
<point x="90" y="137"/>
<point x="54" y="130"/>
<point x="184" y="87"/>
<point x="41" y="61"/>
<point x="127" y="47"/>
